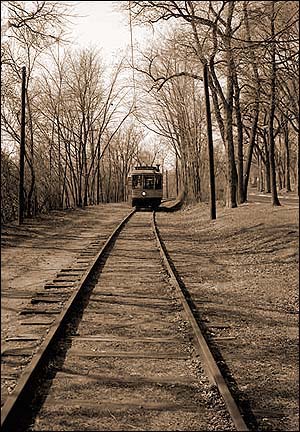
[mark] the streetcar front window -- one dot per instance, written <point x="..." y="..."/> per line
<point x="158" y="181"/>
<point x="149" y="182"/>
<point x="137" y="181"/>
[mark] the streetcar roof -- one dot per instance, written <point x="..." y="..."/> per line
<point x="145" y="170"/>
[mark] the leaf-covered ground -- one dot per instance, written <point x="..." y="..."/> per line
<point x="242" y="273"/>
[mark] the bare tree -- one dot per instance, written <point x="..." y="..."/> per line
<point x="30" y="28"/>
<point x="192" y="13"/>
<point x="43" y="22"/>
<point x="231" y="37"/>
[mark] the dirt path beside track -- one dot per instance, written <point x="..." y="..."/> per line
<point x="32" y="254"/>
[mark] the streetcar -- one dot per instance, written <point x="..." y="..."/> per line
<point x="146" y="186"/>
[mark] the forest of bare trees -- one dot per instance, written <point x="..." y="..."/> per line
<point x="85" y="128"/>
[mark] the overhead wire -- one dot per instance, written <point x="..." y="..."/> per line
<point x="132" y="55"/>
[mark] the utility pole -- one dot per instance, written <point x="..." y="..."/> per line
<point x="210" y="146"/>
<point x="167" y="184"/>
<point x="176" y="175"/>
<point x="22" y="148"/>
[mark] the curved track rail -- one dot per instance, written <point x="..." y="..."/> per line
<point x="206" y="355"/>
<point x="16" y="402"/>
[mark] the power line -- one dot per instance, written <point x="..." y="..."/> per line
<point x="132" y="57"/>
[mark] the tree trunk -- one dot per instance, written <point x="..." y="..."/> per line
<point x="22" y="148"/>
<point x="210" y="146"/>
<point x="260" y="182"/>
<point x="250" y="152"/>
<point x="287" y="159"/>
<point x="231" y="167"/>
<point x="32" y="188"/>
<point x="176" y="175"/>
<point x="240" y="160"/>
<point x="275" y="200"/>
<point x="267" y="165"/>
<point x="253" y="132"/>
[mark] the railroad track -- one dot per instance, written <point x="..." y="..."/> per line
<point x="123" y="350"/>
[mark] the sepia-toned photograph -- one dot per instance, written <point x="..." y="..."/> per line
<point x="150" y="216"/>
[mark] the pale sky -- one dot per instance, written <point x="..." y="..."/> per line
<point x="100" y="24"/>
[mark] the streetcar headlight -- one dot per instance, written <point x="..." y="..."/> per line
<point x="144" y="193"/>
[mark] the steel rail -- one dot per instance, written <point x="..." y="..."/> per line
<point x="10" y="410"/>
<point x="214" y="374"/>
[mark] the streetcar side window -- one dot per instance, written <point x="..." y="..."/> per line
<point x="137" y="181"/>
<point x="158" y="182"/>
<point x="148" y="182"/>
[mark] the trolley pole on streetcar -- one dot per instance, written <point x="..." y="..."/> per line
<point x="22" y="148"/>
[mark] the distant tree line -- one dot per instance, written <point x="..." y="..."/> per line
<point x="81" y="138"/>
<point x="251" y="52"/>
<point x="84" y="131"/>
